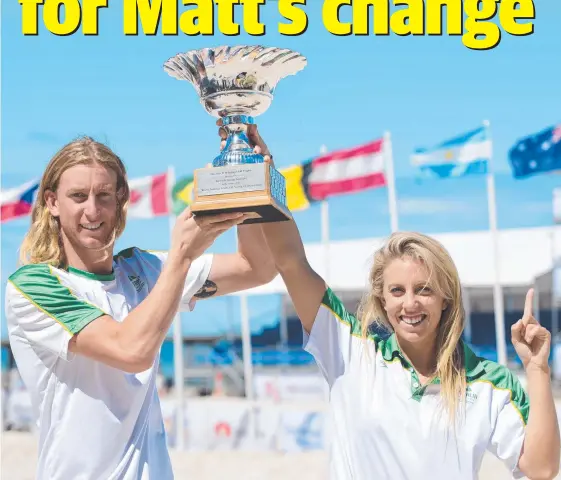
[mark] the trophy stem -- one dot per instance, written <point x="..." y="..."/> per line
<point x="237" y="149"/>
<point x="235" y="120"/>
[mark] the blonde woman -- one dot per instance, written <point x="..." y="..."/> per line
<point x="86" y="326"/>
<point x="417" y="403"/>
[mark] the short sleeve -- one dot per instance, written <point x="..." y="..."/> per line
<point x="331" y="339"/>
<point x="508" y="434"/>
<point x="152" y="263"/>
<point x="43" y="312"/>
<point x="196" y="278"/>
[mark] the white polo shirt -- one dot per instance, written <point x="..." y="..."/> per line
<point x="386" y="426"/>
<point x="95" y="422"/>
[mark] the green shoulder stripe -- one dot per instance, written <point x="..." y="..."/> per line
<point x="43" y="288"/>
<point x="501" y="378"/>
<point x="333" y="303"/>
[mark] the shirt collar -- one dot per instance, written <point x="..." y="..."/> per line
<point x="473" y="364"/>
<point x="93" y="276"/>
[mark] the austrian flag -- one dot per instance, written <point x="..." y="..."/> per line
<point x="349" y="170"/>
<point x="149" y="196"/>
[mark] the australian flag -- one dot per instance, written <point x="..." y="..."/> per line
<point x="537" y="153"/>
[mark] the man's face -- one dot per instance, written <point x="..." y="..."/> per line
<point x="86" y="206"/>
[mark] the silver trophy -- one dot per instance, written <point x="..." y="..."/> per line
<point x="236" y="84"/>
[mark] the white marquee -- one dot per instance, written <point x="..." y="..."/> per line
<point x="524" y="254"/>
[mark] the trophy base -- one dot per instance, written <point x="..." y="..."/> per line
<point x="251" y="188"/>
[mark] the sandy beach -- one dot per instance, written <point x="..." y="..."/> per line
<point x="19" y="463"/>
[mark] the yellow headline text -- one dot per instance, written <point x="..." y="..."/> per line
<point x="479" y="23"/>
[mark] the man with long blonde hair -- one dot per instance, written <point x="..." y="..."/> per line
<point x="86" y="325"/>
<point x="409" y="399"/>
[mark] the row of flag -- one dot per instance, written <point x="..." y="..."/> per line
<point x="149" y="198"/>
<point x="340" y="172"/>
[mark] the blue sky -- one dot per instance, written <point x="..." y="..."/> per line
<point x="421" y="89"/>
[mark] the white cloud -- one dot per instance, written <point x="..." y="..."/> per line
<point x="429" y="206"/>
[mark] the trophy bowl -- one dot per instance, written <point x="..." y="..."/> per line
<point x="237" y="84"/>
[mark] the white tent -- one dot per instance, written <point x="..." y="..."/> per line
<point x="524" y="255"/>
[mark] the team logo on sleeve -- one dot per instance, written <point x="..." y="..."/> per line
<point x="137" y="283"/>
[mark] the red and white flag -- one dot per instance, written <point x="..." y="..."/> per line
<point x="18" y="201"/>
<point x="347" y="171"/>
<point x="150" y="196"/>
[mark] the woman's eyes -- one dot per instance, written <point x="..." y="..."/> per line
<point x="419" y="291"/>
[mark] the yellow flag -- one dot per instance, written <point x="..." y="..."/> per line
<point x="296" y="197"/>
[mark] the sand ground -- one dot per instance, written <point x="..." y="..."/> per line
<point x="19" y="463"/>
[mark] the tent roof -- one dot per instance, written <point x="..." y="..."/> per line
<point x="524" y="254"/>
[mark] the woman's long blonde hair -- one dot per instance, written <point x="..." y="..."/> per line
<point x="444" y="280"/>
<point x="42" y="243"/>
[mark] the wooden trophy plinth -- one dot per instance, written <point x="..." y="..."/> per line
<point x="257" y="188"/>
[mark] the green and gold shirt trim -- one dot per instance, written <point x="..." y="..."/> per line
<point x="477" y="369"/>
<point x="39" y="284"/>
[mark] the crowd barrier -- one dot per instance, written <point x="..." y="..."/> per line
<point x="288" y="415"/>
<point x="238" y="424"/>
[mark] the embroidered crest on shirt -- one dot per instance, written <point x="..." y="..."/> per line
<point x="471" y="396"/>
<point x="136" y="282"/>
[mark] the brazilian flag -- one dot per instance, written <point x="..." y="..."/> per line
<point x="182" y="194"/>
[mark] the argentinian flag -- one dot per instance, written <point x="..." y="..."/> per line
<point x="466" y="154"/>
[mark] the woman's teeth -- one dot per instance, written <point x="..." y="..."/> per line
<point x="92" y="226"/>
<point x="413" y="320"/>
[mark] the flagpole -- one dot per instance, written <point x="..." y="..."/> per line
<point x="247" y="362"/>
<point x="325" y="241"/>
<point x="390" y="179"/>
<point x="498" y="300"/>
<point x="178" y="364"/>
<point x="467" y="309"/>
<point x="325" y="229"/>
<point x="554" y="305"/>
<point x="554" y="263"/>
